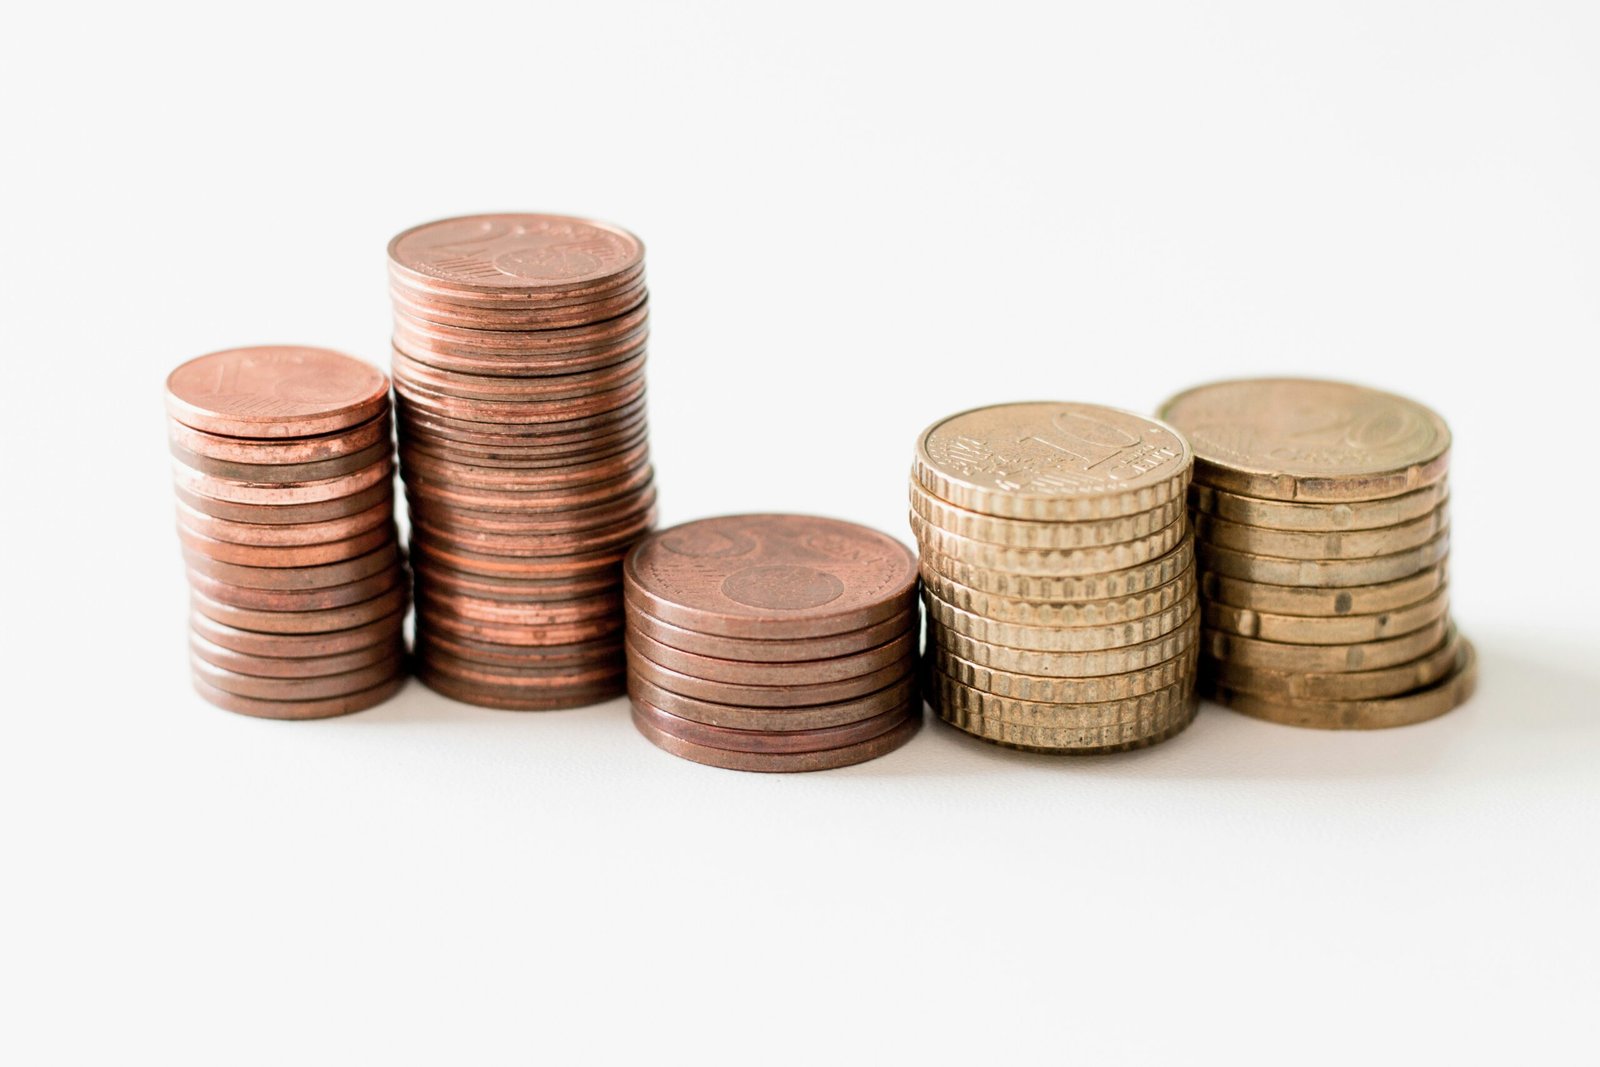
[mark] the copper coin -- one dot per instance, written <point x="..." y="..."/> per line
<point x="526" y="501"/>
<point x="430" y="614"/>
<point x="295" y="666"/>
<point x="287" y="514"/>
<point x="321" y="621"/>
<point x="516" y="481"/>
<point x="279" y="473"/>
<point x="528" y="456"/>
<point x="804" y="717"/>
<point x="275" y="391"/>
<point x="287" y="493"/>
<point x="770" y="741"/>
<point x="320" y="687"/>
<point x="792" y="761"/>
<point x="283" y="535"/>
<point x="546" y="613"/>
<point x="432" y="575"/>
<point x="771" y="576"/>
<point x="379" y="631"/>
<point x="757" y="650"/>
<point x="198" y="546"/>
<point x="527" y="413"/>
<point x="520" y="388"/>
<point x="555" y="316"/>
<point x="510" y="253"/>
<point x="533" y="348"/>
<point x="504" y="433"/>
<point x="528" y="676"/>
<point x="763" y="696"/>
<point x="805" y="672"/>
<point x="295" y="600"/>
<point x="491" y="359"/>
<point x="467" y="520"/>
<point x="301" y="709"/>
<point x="317" y="449"/>
<point x="509" y="698"/>
<point x="383" y="558"/>
<point x="542" y="545"/>
<point x="538" y="567"/>
<point x="440" y="646"/>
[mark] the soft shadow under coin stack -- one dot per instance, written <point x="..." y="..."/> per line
<point x="773" y="642"/>
<point x="519" y="348"/>
<point x="1057" y="570"/>
<point x="285" y="479"/>
<point x="1322" y="517"/>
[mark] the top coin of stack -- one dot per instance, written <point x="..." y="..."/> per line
<point x="1322" y="521"/>
<point x="1057" y="570"/>
<point x="519" y="348"/>
<point x="773" y="642"/>
<point x="285" y="475"/>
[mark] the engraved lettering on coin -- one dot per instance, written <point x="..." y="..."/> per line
<point x="783" y="587"/>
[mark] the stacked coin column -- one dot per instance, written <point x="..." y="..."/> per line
<point x="285" y="472"/>
<point x="1321" y="514"/>
<point x="519" y="348"/>
<point x="1057" y="570"/>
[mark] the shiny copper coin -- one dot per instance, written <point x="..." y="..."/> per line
<point x="385" y="557"/>
<point x="534" y="349"/>
<point x="275" y="391"/>
<point x="763" y="696"/>
<point x="897" y="695"/>
<point x="536" y="480"/>
<point x="439" y="646"/>
<point x="525" y="545"/>
<point x="558" y="498"/>
<point x="431" y="615"/>
<point x="321" y="687"/>
<point x="1318" y="518"/>
<point x="297" y="666"/>
<point x="287" y="514"/>
<point x="806" y="672"/>
<point x="510" y="698"/>
<point x="860" y="752"/>
<point x="607" y="605"/>
<point x="553" y="317"/>
<point x="283" y="535"/>
<point x="1342" y="685"/>
<point x="378" y="631"/>
<point x="758" y="650"/>
<point x="508" y="254"/>
<point x="1344" y="544"/>
<point x="526" y="459"/>
<point x="483" y="361"/>
<point x="281" y="473"/>
<point x="301" y="709"/>
<point x="622" y="509"/>
<point x="1325" y="574"/>
<point x="296" y="600"/>
<point x="317" y="449"/>
<point x="320" y="621"/>
<point x="431" y="575"/>
<point x="527" y="676"/>
<point x="774" y="741"/>
<point x="287" y="493"/>
<point x="504" y="433"/>
<point x="1307" y="601"/>
<point x="522" y="388"/>
<point x="198" y="547"/>
<point x="535" y="567"/>
<point x="527" y="413"/>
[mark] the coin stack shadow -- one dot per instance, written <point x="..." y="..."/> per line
<point x="519" y="349"/>
<point x="1321" y="514"/>
<point x="1057" y="572"/>
<point x="284" y="469"/>
<point x="773" y="642"/>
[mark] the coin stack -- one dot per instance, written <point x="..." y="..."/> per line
<point x="1057" y="571"/>
<point x="519" y="348"/>
<point x="285" y="479"/>
<point x="1322" y="520"/>
<point x="773" y="642"/>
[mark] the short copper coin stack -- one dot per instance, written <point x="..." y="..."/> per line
<point x="1322" y="520"/>
<point x="773" y="642"/>
<point x="519" y="348"/>
<point x="1057" y="570"/>
<point x="284" y="467"/>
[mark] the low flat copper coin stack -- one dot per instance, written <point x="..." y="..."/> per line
<point x="519" y="348"/>
<point x="773" y="642"/>
<point x="284" y="467"/>
<point x="1322" y="519"/>
<point x="1057" y="571"/>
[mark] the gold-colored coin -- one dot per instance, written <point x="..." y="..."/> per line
<point x="1359" y="656"/>
<point x="1343" y="685"/>
<point x="1090" y="690"/>
<point x="1026" y="533"/>
<point x="1052" y="461"/>
<point x="953" y="704"/>
<point x="1052" y="562"/>
<point x="1337" y="573"/>
<point x="1054" y="716"/>
<point x="1060" y="613"/>
<point x="1056" y="638"/>
<point x="1065" y="664"/>
<point x="1346" y="629"/>
<point x="1130" y="581"/>
<point x="1303" y="440"/>
<point x="1299" y="544"/>
<point x="1318" y="518"/>
<point x="1299" y="600"/>
<point x="1418" y="705"/>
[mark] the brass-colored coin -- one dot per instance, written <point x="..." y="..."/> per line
<point x="1089" y="690"/>
<point x="1415" y="706"/>
<point x="1345" y="629"/>
<point x="1301" y="600"/>
<point x="1357" y="656"/>
<point x="1298" y="544"/>
<point x="1052" y="461"/>
<point x="1106" y="612"/>
<point x="1056" y="638"/>
<point x="1049" y="562"/>
<point x="1065" y="664"/>
<point x="947" y="693"/>
<point x="1341" y="685"/>
<point x="1024" y="533"/>
<point x="1165" y="718"/>
<point x="1058" y="588"/>
<point x="1318" y="518"/>
<point x="1326" y="574"/>
<point x="1303" y="440"/>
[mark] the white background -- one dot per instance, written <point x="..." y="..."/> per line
<point x="859" y="219"/>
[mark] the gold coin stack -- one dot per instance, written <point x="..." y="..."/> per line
<point x="1058" y="573"/>
<point x="1321" y="513"/>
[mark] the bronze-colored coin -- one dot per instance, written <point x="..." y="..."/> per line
<point x="1057" y="638"/>
<point x="321" y="621"/>
<point x="1050" y="562"/>
<point x="619" y="510"/>
<point x="1346" y="629"/>
<point x="326" y="708"/>
<point x="1301" y="600"/>
<point x="759" y="650"/>
<point x="451" y="494"/>
<point x="321" y="687"/>
<point x="1083" y="741"/>
<point x="1324" y="574"/>
<point x="441" y="450"/>
<point x="1341" y="685"/>
<point x="1093" y="689"/>
<point x="1417" y="705"/>
<point x="1318" y="518"/>
<point x="386" y="557"/>
<point x="289" y="514"/>
<point x="430" y="616"/>
<point x="533" y="567"/>
<point x="771" y="576"/>
<point x="378" y="631"/>
<point x="764" y="696"/>
<point x="515" y="698"/>
<point x="1147" y="713"/>
<point x="435" y="645"/>
<point x="1121" y="660"/>
<point x="275" y="391"/>
<point x="283" y="535"/>
<point x="281" y="473"/>
<point x="774" y="741"/>
<point x="432" y="575"/>
<point x="1345" y="544"/>
<point x="607" y="605"/>
<point x="286" y="493"/>
<point x="860" y="752"/>
<point x="519" y="412"/>
<point x="478" y="351"/>
<point x="508" y="255"/>
<point x="528" y="676"/>
<point x="806" y="672"/>
<point x="478" y="432"/>
<point x="1055" y="588"/>
<point x="296" y="666"/>
<point x="1107" y="612"/>
<point x="199" y="548"/>
<point x="520" y="388"/>
<point x="1303" y="440"/>
<point x="553" y="317"/>
<point x="317" y="449"/>
<point x="526" y="545"/>
<point x="1031" y="534"/>
<point x="1357" y="656"/>
<point x="524" y="480"/>
<point x="1052" y="461"/>
<point x="295" y="600"/>
<point x="896" y="695"/>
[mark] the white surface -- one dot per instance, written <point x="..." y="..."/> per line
<point x="858" y="221"/>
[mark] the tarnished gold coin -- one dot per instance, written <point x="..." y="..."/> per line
<point x="1057" y="638"/>
<point x="1051" y="562"/>
<point x="1027" y="533"/>
<point x="957" y="706"/>
<point x="1052" y="461"/>
<point x="1357" y="656"/>
<point x="1336" y="573"/>
<point x="1105" y="612"/>
<point x="1337" y="685"/>
<point x="1345" y="629"/>
<point x="1087" y="690"/>
<point x="1299" y="544"/>
<point x="1318" y="518"/>
<point x="1127" y="582"/>
<point x="1306" y="440"/>
<point x="1301" y="600"/>
<point x="1065" y="664"/>
<point x="1415" y="706"/>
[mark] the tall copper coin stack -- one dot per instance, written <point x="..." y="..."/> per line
<point x="519" y="348"/>
<point x="1322" y="516"/>
<point x="1057" y="570"/>
<point x="285" y="478"/>
<point x="773" y="642"/>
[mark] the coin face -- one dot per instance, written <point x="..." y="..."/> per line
<point x="515" y="251"/>
<point x="1301" y="439"/>
<point x="275" y="391"/>
<point x="1052" y="461"/>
